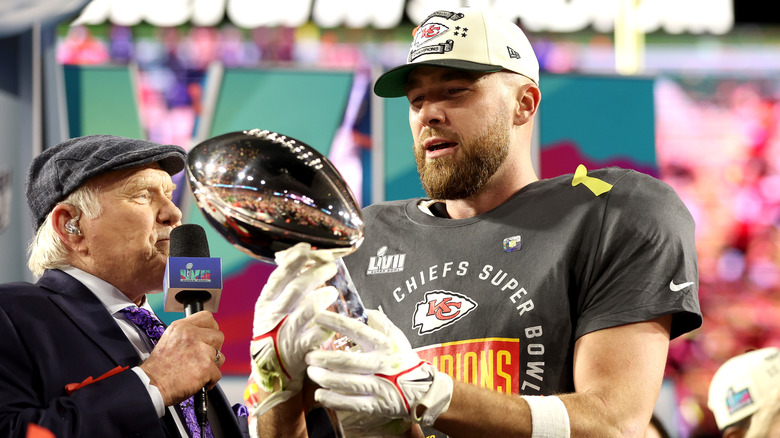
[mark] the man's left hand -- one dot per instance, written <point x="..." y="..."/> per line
<point x="386" y="378"/>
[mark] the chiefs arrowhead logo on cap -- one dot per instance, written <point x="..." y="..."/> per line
<point x="440" y="309"/>
<point x="427" y="32"/>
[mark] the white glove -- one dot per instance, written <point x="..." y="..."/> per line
<point x="283" y="329"/>
<point x="385" y="379"/>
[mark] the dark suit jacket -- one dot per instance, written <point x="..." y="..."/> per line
<point x="57" y="332"/>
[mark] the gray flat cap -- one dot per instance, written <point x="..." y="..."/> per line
<point x="60" y="170"/>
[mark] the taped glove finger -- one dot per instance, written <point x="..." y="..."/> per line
<point x="353" y="392"/>
<point x="323" y="255"/>
<point x="337" y="381"/>
<point x="360" y="385"/>
<point x="381" y="323"/>
<point x="345" y="361"/>
<point x="313" y="337"/>
<point x="313" y="303"/>
<point x="288" y="264"/>
<point x="313" y="277"/>
<point x="368" y="338"/>
<point x="296" y="288"/>
<point x="335" y="400"/>
<point x="300" y="249"/>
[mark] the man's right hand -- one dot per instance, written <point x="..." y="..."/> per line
<point x="183" y="361"/>
<point x="284" y="329"/>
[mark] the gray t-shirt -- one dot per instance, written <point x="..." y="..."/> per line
<point x="499" y="299"/>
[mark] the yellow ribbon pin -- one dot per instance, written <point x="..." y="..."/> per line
<point x="595" y="185"/>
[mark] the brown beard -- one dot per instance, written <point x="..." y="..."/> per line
<point x="446" y="178"/>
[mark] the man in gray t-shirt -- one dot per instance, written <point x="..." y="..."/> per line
<point x="499" y="299"/>
<point x="563" y="291"/>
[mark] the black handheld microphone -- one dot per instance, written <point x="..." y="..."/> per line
<point x="193" y="282"/>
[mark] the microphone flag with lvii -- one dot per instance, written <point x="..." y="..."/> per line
<point x="193" y="273"/>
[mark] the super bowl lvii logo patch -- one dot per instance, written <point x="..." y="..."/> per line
<point x="736" y="400"/>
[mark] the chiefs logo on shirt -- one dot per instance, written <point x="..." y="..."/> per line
<point x="440" y="309"/>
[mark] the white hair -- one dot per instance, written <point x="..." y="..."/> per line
<point x="47" y="250"/>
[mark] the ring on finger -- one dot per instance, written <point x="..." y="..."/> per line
<point x="217" y="357"/>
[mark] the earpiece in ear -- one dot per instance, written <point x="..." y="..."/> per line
<point x="72" y="227"/>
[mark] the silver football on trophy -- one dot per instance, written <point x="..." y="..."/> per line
<point x="265" y="192"/>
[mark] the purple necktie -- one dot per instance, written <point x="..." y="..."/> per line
<point x="154" y="328"/>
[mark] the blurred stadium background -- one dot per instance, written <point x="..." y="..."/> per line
<point x="687" y="91"/>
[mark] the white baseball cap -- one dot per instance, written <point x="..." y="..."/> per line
<point x="742" y="384"/>
<point x="465" y="39"/>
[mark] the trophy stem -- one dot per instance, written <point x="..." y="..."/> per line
<point x="349" y="304"/>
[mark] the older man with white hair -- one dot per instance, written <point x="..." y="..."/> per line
<point x="83" y="354"/>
